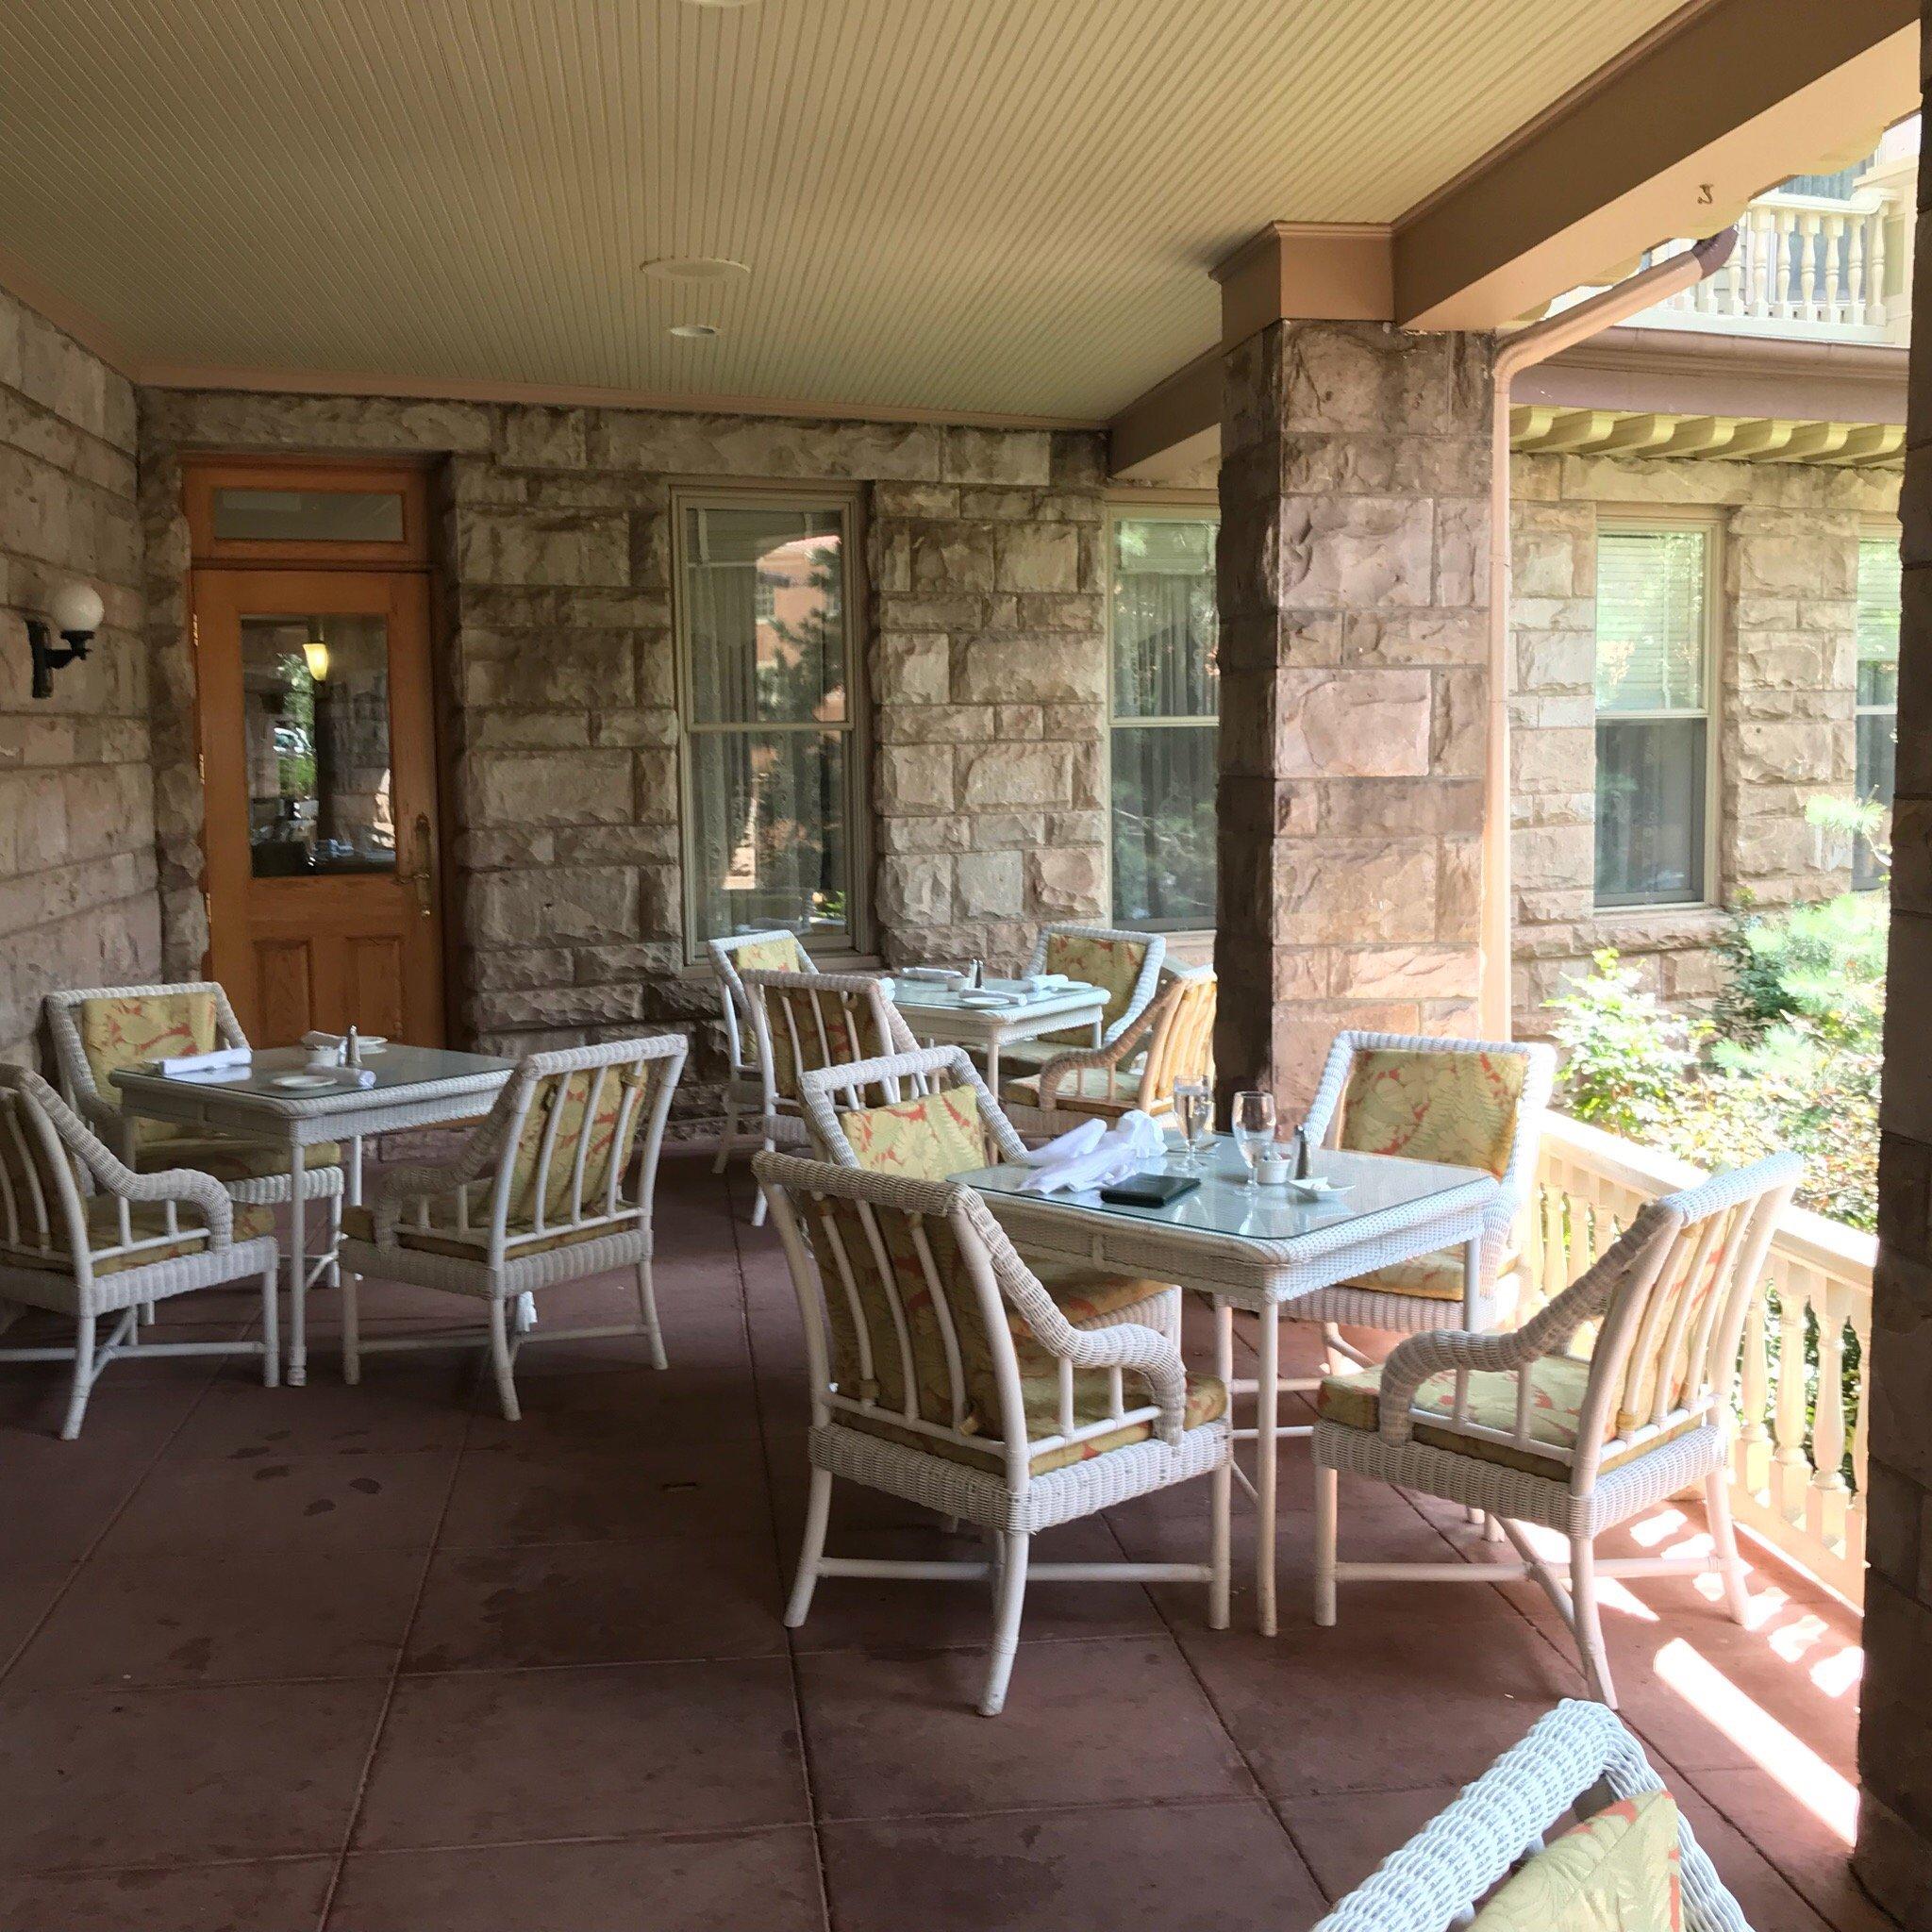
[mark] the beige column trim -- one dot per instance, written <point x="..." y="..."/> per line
<point x="1176" y="420"/>
<point x="1311" y="271"/>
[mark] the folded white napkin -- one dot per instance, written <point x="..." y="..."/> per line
<point x="184" y="1065"/>
<point x="1097" y="1159"/>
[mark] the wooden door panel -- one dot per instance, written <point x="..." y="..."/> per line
<point x="317" y="740"/>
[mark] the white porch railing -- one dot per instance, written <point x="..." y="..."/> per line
<point x="1798" y="1436"/>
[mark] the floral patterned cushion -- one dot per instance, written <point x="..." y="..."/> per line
<point x="828" y="1033"/>
<point x="1436" y="1277"/>
<point x="122" y="1031"/>
<point x="1040" y="1393"/>
<point x="1557" y="1388"/>
<point x="622" y="1099"/>
<point x="927" y="1139"/>
<point x="445" y="1234"/>
<point x="1453" y="1106"/>
<point x="1616" y="1872"/>
<point x="779" y="953"/>
<point x="1113" y="965"/>
<point x="230" y="1159"/>
<point x="146" y="1220"/>
<point x="1083" y="1292"/>
<point x="1100" y="1091"/>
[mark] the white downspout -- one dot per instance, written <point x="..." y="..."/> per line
<point x="1524" y="351"/>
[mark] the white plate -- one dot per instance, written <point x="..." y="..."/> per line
<point x="304" y="1083"/>
<point x="989" y="1002"/>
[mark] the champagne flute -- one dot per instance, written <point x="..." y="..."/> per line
<point x="1253" y="1122"/>
<point x="1193" y="1106"/>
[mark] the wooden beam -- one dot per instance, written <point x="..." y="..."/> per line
<point x="1763" y="437"/>
<point x="1871" y="443"/>
<point x="1314" y="271"/>
<point x="1698" y="436"/>
<point x="1638" y="436"/>
<point x="1176" y="421"/>
<point x="1705" y="116"/>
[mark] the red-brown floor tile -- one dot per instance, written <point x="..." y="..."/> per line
<point x="897" y="1735"/>
<point x="586" y="1414"/>
<point x="402" y="1406"/>
<point x="127" y="1777"/>
<point x="506" y="1496"/>
<point x="315" y="1502"/>
<point x="768" y="1880"/>
<point x="1345" y="1838"/>
<point x="60" y="1497"/>
<point x="1766" y="1896"/>
<point x="879" y="1614"/>
<point x="1376" y="1704"/>
<point x="617" y="1750"/>
<point x="28" y="1591"/>
<point x="282" y="1895"/>
<point x="1185" y="1867"/>
<point x="598" y="1603"/>
<point x="154" y="1618"/>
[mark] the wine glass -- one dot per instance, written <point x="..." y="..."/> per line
<point x="1193" y="1114"/>
<point x="1253" y="1122"/>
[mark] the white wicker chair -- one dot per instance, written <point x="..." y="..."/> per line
<point x="779" y="947"/>
<point x="1067" y="949"/>
<point x="919" y="1389"/>
<point x="540" y="1194"/>
<point x="255" y="1174"/>
<point x="1516" y="1425"/>
<point x="82" y="1234"/>
<point x="1578" y="1754"/>
<point x="835" y="1097"/>
<point x="806" y="1019"/>
<point x="1170" y="1040"/>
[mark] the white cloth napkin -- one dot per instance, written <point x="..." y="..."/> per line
<point x="182" y="1065"/>
<point x="1089" y="1158"/>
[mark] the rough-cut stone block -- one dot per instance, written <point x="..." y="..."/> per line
<point x="999" y="455"/>
<point x="915" y="778"/>
<point x="543" y="439"/>
<point x="1067" y="881"/>
<point x="1354" y="553"/>
<point x="1017" y="775"/>
<point x="989" y="885"/>
<point x="561" y="903"/>
<point x="913" y="669"/>
<point x="1006" y="669"/>
<point x="1353" y="724"/>
<point x="951" y="558"/>
<point x="1038" y="557"/>
<point x="551" y="788"/>
<point x="915" y="890"/>
<point x="506" y="547"/>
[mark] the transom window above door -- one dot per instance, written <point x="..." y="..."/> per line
<point x="772" y="755"/>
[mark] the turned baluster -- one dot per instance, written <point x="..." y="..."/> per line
<point x="1790" y="1466"/>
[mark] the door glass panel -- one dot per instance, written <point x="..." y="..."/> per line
<point x="315" y="718"/>
<point x="310" y="516"/>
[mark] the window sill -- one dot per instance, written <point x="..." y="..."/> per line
<point x="1664" y="927"/>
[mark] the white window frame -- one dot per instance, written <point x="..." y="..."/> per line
<point x="1172" y="506"/>
<point x="1642" y="521"/>
<point x="1875" y="532"/>
<point x="847" y="501"/>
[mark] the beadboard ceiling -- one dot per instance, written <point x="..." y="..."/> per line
<point x="975" y="206"/>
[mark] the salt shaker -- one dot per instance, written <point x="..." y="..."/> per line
<point x="1303" y="1159"/>
<point x="352" y="1048"/>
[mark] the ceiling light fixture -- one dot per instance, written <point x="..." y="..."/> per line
<point x="694" y="268"/>
<point x="693" y="331"/>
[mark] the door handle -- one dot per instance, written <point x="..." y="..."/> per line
<point x="422" y="875"/>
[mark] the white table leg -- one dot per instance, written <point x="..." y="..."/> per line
<point x="1267" y="1418"/>
<point x="1472" y="1281"/>
<point x="1223" y="1369"/>
<point x="992" y="1066"/>
<point x="298" y="1269"/>
<point x="352" y="1173"/>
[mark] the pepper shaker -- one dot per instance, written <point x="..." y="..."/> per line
<point x="1303" y="1159"/>
<point x="352" y="1048"/>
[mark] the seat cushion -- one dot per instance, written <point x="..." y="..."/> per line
<point x="1083" y="1292"/>
<point x="444" y="1237"/>
<point x="927" y="1138"/>
<point x="1090" y="1091"/>
<point x="230" y="1159"/>
<point x="148" y="1221"/>
<point x="1040" y="1393"/>
<point x="1455" y="1105"/>
<point x="1436" y="1277"/>
<point x="1557" y="1385"/>
<point x="1619" y="1871"/>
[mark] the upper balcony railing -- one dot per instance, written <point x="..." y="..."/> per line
<point x="1808" y="267"/>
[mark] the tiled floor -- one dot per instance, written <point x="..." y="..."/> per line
<point x="372" y="1659"/>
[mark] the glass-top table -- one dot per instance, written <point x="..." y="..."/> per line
<point x="955" y="1016"/>
<point x="277" y="1097"/>
<point x="1263" y="1251"/>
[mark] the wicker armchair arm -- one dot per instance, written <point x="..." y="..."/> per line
<point x="1412" y="1361"/>
<point x="112" y="1174"/>
<point x="1114" y="1055"/>
<point x="1149" y="1355"/>
<point x="399" y="1187"/>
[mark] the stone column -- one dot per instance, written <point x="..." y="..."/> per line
<point x="1354" y="509"/>
<point x="1894" y="1851"/>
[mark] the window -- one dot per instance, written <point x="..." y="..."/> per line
<point x="1653" y="721"/>
<point x="1878" y="615"/>
<point x="1165" y="724"/>
<point x="768" y="666"/>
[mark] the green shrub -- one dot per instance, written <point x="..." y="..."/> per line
<point x="1625" y="1058"/>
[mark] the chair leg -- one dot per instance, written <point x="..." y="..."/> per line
<point x="1218" y="1539"/>
<point x="1589" y="1629"/>
<point x="83" y="1377"/>
<point x="730" y="1137"/>
<point x="271" y="1330"/>
<point x="1723" y="1536"/>
<point x="818" y="1510"/>
<point x="352" y="1328"/>
<point x="333" y="1221"/>
<point x="758" y="1206"/>
<point x="1005" y="1626"/>
<point x="1326" y="1487"/>
<point x="647" y="1308"/>
<point x="499" y="1359"/>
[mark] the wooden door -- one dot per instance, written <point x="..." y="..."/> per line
<point x="319" y="766"/>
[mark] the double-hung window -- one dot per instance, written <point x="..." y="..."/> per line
<point x="1877" y="703"/>
<point x="1165" y="694"/>
<point x="1653" y="717"/>
<point x="767" y="665"/>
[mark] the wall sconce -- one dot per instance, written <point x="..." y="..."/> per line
<point x="76" y="610"/>
<point x="315" y="654"/>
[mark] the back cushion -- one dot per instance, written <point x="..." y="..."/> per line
<point x="1113" y="965"/>
<point x="927" y="1139"/>
<point x="780" y="954"/>
<point x="1455" y="1107"/>
<point x="123" y="1031"/>
<point x="619" y="1087"/>
<point x="1617" y="1872"/>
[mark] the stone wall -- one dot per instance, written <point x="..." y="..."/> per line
<point x="1353" y="587"/>
<point x="559" y="695"/>
<point x="77" y="904"/>
<point x="1785" y="646"/>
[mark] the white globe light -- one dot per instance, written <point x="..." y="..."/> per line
<point x="76" y="606"/>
